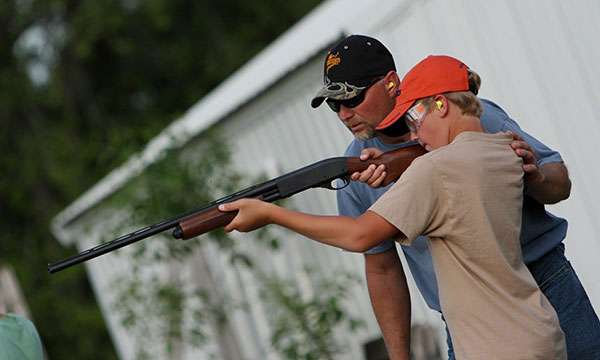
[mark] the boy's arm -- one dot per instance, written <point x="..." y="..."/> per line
<point x="347" y="233"/>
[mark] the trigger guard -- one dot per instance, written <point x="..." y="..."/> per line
<point x="345" y="180"/>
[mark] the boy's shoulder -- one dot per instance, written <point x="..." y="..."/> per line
<point x="469" y="148"/>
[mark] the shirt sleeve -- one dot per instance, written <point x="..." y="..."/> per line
<point x="411" y="205"/>
<point x="494" y="120"/>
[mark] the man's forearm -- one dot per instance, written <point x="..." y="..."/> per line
<point x="552" y="186"/>
<point x="390" y="299"/>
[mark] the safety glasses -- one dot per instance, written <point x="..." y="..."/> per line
<point x="414" y="117"/>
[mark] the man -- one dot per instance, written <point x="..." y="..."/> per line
<point x="361" y="86"/>
<point x="471" y="211"/>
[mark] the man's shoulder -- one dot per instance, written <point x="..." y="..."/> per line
<point x="493" y="117"/>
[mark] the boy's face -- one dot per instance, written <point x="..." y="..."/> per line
<point x="429" y="126"/>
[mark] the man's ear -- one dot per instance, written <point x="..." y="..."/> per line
<point x="391" y="82"/>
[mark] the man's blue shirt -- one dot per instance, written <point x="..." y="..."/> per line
<point x="540" y="230"/>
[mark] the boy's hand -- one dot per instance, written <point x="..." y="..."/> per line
<point x="252" y="214"/>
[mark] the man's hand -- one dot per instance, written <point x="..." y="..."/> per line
<point x="373" y="175"/>
<point x="525" y="152"/>
<point x="547" y="184"/>
<point x="252" y="214"/>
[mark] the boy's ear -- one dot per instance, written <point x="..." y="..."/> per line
<point x="441" y="104"/>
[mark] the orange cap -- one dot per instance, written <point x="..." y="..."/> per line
<point x="436" y="74"/>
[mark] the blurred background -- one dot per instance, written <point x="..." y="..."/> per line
<point x="85" y="84"/>
<point x="118" y="114"/>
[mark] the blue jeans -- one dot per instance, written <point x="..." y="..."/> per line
<point x="578" y="320"/>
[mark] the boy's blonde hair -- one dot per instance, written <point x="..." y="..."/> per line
<point x="467" y="101"/>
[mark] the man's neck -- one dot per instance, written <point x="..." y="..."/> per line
<point x="392" y="139"/>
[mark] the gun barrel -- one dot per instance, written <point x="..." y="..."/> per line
<point x="111" y="246"/>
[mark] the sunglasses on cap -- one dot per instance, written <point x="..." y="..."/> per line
<point x="335" y="105"/>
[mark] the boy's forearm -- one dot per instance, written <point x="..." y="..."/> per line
<point x="347" y="233"/>
<point x="331" y="230"/>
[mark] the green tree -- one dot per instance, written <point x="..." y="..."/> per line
<point x="84" y="84"/>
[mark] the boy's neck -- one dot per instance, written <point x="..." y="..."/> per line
<point x="465" y="123"/>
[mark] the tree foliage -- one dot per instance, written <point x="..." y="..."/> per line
<point x="84" y="85"/>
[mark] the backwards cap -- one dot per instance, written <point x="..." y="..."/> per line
<point x="351" y="65"/>
<point x="436" y="74"/>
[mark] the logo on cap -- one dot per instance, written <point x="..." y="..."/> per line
<point x="332" y="60"/>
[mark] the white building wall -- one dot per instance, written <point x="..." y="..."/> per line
<point x="537" y="60"/>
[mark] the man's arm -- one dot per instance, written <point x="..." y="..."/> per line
<point x="390" y="299"/>
<point x="546" y="177"/>
<point x="386" y="281"/>
<point x="552" y="186"/>
<point x="548" y="183"/>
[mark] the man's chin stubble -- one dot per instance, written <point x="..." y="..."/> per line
<point x="365" y="135"/>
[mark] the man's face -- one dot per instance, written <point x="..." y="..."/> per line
<point x="362" y="119"/>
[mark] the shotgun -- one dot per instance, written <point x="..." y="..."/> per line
<point x="207" y="218"/>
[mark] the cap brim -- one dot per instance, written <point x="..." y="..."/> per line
<point x="323" y="94"/>
<point x="341" y="92"/>
<point x="395" y="115"/>
<point x="317" y="101"/>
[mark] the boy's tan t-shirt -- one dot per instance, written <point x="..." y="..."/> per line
<point x="467" y="198"/>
